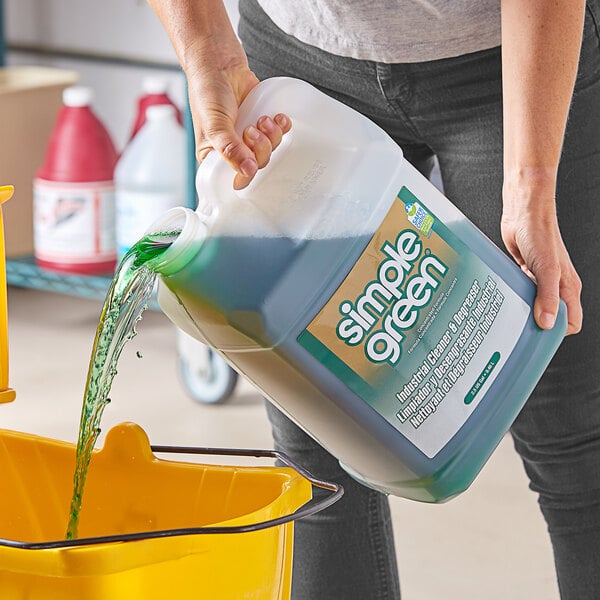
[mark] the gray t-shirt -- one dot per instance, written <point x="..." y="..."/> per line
<point x="390" y="31"/>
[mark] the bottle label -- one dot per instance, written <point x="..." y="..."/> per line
<point x="420" y="327"/>
<point x="74" y="222"/>
<point x="136" y="211"/>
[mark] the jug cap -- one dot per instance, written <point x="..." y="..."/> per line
<point x="154" y="85"/>
<point x="78" y="96"/>
<point x="160" y="111"/>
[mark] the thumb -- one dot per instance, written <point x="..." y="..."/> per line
<point x="220" y="135"/>
<point x="547" y="299"/>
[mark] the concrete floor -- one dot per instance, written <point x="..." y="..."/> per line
<point x="488" y="544"/>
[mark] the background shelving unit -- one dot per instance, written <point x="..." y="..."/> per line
<point x="206" y="378"/>
<point x="23" y="272"/>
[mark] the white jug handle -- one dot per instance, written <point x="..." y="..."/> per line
<point x="214" y="179"/>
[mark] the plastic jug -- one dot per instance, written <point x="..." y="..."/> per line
<point x="73" y="193"/>
<point x="150" y="176"/>
<point x="358" y="299"/>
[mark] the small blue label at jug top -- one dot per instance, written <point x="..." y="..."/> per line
<point x="420" y="327"/>
<point x="419" y="218"/>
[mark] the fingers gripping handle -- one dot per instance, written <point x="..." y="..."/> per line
<point x="214" y="180"/>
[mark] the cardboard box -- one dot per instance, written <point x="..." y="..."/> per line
<point x="30" y="98"/>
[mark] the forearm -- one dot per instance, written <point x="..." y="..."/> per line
<point x="541" y="41"/>
<point x="218" y="78"/>
<point x="200" y="32"/>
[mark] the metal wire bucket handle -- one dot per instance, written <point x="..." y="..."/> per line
<point x="310" y="508"/>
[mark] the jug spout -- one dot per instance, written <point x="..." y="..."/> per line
<point x="189" y="232"/>
<point x="6" y="394"/>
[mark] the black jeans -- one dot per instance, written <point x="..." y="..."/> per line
<point x="452" y="109"/>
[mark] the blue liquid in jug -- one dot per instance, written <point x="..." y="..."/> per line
<point x="254" y="282"/>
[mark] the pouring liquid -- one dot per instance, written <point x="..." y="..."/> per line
<point x="125" y="302"/>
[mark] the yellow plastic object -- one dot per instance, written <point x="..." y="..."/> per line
<point x="6" y="394"/>
<point x="130" y="490"/>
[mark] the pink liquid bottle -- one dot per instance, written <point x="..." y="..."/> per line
<point x="74" y="201"/>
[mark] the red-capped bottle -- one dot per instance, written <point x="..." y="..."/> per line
<point x="74" y="195"/>
<point x="154" y="92"/>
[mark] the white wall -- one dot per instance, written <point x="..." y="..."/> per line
<point x="123" y="28"/>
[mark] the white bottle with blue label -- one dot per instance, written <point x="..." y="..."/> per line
<point x="358" y="299"/>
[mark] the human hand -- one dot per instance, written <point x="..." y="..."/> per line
<point x="219" y="79"/>
<point x="215" y="96"/>
<point x="531" y="234"/>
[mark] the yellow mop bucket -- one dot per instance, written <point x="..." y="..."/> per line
<point x="150" y="528"/>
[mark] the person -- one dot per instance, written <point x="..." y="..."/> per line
<point x="506" y="95"/>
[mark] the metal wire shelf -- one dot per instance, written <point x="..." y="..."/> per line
<point x="23" y="272"/>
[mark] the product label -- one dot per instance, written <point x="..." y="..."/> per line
<point x="136" y="211"/>
<point x="421" y="326"/>
<point x="74" y="222"/>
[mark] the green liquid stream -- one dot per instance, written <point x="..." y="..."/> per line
<point x="126" y="300"/>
